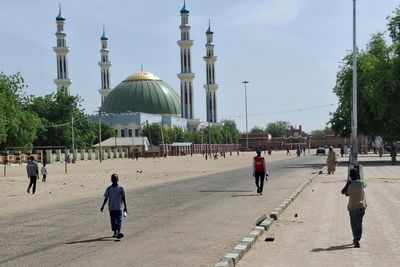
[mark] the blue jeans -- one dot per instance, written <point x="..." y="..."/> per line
<point x="356" y="218"/>
<point x="116" y="219"/>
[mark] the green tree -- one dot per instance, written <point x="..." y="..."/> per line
<point x="59" y="112"/>
<point x="319" y="134"/>
<point x="18" y="126"/>
<point x="230" y="131"/>
<point x="378" y="87"/>
<point x="257" y="129"/>
<point x="107" y="131"/>
<point x="153" y="133"/>
<point x="278" y="128"/>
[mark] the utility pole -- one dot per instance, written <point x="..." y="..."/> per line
<point x="99" y="137"/>
<point x="73" y="140"/>
<point x="151" y="145"/>
<point x="162" y="139"/>
<point x="354" y="145"/>
<point x="245" y="99"/>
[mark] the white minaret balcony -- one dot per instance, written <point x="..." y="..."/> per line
<point x="212" y="88"/>
<point x="61" y="50"/>
<point x="105" y="64"/>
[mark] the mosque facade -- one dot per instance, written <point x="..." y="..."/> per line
<point x="143" y="98"/>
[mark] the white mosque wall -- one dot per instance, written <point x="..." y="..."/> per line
<point x="129" y="124"/>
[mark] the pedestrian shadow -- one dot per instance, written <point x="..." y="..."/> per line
<point x="100" y="239"/>
<point x="315" y="166"/>
<point x="369" y="163"/>
<point x="332" y="248"/>
<point x="246" y="195"/>
<point x="224" y="191"/>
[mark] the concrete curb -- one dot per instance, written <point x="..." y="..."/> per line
<point x="263" y="223"/>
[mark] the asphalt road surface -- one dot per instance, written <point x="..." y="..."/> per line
<point x="192" y="222"/>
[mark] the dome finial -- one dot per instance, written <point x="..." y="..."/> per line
<point x="104" y="37"/>
<point x="59" y="17"/>
<point x="184" y="10"/>
<point x="209" y="31"/>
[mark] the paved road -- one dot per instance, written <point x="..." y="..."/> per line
<point x="186" y="223"/>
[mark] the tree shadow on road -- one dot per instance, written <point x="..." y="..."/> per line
<point x="106" y="238"/>
<point x="332" y="248"/>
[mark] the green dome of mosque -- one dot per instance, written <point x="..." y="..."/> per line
<point x="143" y="92"/>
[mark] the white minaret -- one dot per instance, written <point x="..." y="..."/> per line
<point x="63" y="81"/>
<point x="105" y="66"/>
<point x="186" y="76"/>
<point x="210" y="86"/>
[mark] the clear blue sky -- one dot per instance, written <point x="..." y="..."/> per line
<point x="289" y="50"/>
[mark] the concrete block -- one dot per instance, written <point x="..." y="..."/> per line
<point x="241" y="246"/>
<point x="261" y="219"/>
<point x="234" y="256"/>
<point x="249" y="240"/>
<point x="282" y="206"/>
<point x="255" y="233"/>
<point x="225" y="262"/>
<point x="267" y="223"/>
<point x="239" y="252"/>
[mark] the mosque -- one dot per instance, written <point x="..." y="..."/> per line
<point x="143" y="97"/>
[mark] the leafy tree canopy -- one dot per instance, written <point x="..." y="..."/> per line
<point x="227" y="134"/>
<point x="278" y="128"/>
<point x="257" y="129"/>
<point x="378" y="87"/>
<point x="59" y="113"/>
<point x="319" y="134"/>
<point x="18" y="126"/>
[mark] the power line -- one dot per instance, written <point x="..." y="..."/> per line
<point x="280" y="112"/>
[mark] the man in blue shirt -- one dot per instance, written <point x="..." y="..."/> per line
<point x="115" y="195"/>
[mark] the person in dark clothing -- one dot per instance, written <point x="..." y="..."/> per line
<point x="393" y="155"/>
<point x="354" y="189"/>
<point x="115" y="195"/>
<point x="298" y="152"/>
<point x="259" y="171"/>
<point x="342" y="151"/>
<point x="32" y="170"/>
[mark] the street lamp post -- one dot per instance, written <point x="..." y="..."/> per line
<point x="209" y="118"/>
<point x="354" y="145"/>
<point x="99" y="136"/>
<point x="73" y="140"/>
<point x="245" y="99"/>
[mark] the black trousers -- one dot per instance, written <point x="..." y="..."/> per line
<point x="259" y="179"/>
<point x="356" y="219"/>
<point x="32" y="183"/>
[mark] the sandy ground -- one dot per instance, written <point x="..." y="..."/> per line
<point x="90" y="178"/>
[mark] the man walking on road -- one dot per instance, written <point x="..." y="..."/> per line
<point x="354" y="189"/>
<point x="259" y="171"/>
<point x="115" y="195"/>
<point x="32" y="170"/>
